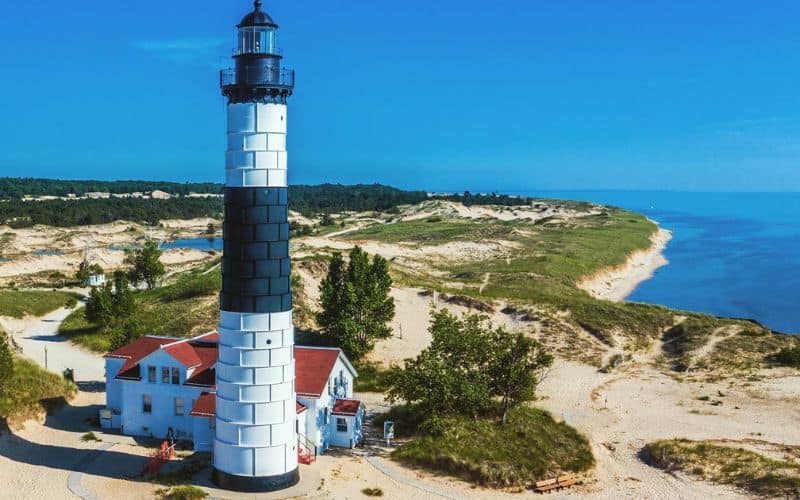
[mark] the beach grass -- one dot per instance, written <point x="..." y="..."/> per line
<point x="746" y="469"/>
<point x="21" y="303"/>
<point x="708" y="344"/>
<point x="32" y="390"/>
<point x="532" y="446"/>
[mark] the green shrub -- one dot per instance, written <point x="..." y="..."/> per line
<point x="372" y="492"/>
<point x="90" y="436"/>
<point x="186" y="492"/>
<point x="788" y="356"/>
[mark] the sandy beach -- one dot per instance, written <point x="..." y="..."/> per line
<point x="618" y="283"/>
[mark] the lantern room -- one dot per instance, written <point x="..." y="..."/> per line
<point x="258" y="33"/>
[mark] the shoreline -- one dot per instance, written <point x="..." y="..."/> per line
<point x="618" y="283"/>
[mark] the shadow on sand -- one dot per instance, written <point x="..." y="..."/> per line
<point x="110" y="463"/>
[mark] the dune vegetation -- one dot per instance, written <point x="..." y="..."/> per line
<point x="18" y="303"/>
<point x="747" y="469"/>
<point x="531" y="446"/>
<point x="30" y="390"/>
<point x="185" y="306"/>
<point x="537" y="278"/>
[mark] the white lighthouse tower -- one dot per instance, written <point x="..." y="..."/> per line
<point x="255" y="447"/>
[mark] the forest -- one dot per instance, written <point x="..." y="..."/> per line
<point x="15" y="188"/>
<point x="308" y="200"/>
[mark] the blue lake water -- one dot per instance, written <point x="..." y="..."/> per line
<point x="195" y="244"/>
<point x="732" y="254"/>
<point x="190" y="243"/>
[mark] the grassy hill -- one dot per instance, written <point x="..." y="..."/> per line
<point x="530" y="447"/>
<point x="18" y="303"/>
<point x="538" y="279"/>
<point x="30" y="390"/>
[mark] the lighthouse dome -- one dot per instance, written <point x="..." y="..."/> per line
<point x="257" y="18"/>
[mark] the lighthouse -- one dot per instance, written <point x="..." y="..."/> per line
<point x="256" y="441"/>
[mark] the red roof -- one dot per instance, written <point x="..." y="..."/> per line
<point x="313" y="367"/>
<point x="135" y="352"/>
<point x="199" y="353"/>
<point x="204" y="374"/>
<point x="313" y="364"/>
<point x="205" y="406"/>
<point x="347" y="407"/>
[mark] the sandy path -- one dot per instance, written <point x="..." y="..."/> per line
<point x="618" y="283"/>
<point x="43" y="334"/>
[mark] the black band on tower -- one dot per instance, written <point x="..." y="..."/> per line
<point x="255" y="484"/>
<point x="256" y="271"/>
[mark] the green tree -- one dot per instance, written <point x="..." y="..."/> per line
<point x="86" y="270"/>
<point x="451" y="376"/>
<point x="517" y="366"/>
<point x="145" y="264"/>
<point x="467" y="366"/>
<point x="6" y="360"/>
<point x="128" y="332"/>
<point x="111" y="303"/>
<point x="356" y="305"/>
<point x="83" y="272"/>
<point x="327" y="220"/>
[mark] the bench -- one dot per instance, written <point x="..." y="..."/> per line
<point x="556" y="483"/>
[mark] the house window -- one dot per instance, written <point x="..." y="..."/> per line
<point x="325" y="417"/>
<point x="176" y="376"/>
<point x="341" y="424"/>
<point x="179" y="406"/>
<point x="164" y="375"/>
<point x="147" y="403"/>
<point x="151" y="374"/>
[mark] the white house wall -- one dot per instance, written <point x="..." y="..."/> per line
<point x="157" y="423"/>
<point x="354" y="433"/>
<point x="113" y="386"/>
<point x="318" y="430"/>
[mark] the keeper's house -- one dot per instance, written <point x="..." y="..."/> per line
<point x="158" y="383"/>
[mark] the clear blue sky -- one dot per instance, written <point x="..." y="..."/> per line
<point x="444" y="94"/>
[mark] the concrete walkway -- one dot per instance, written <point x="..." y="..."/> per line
<point x="381" y="466"/>
<point x="43" y="337"/>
